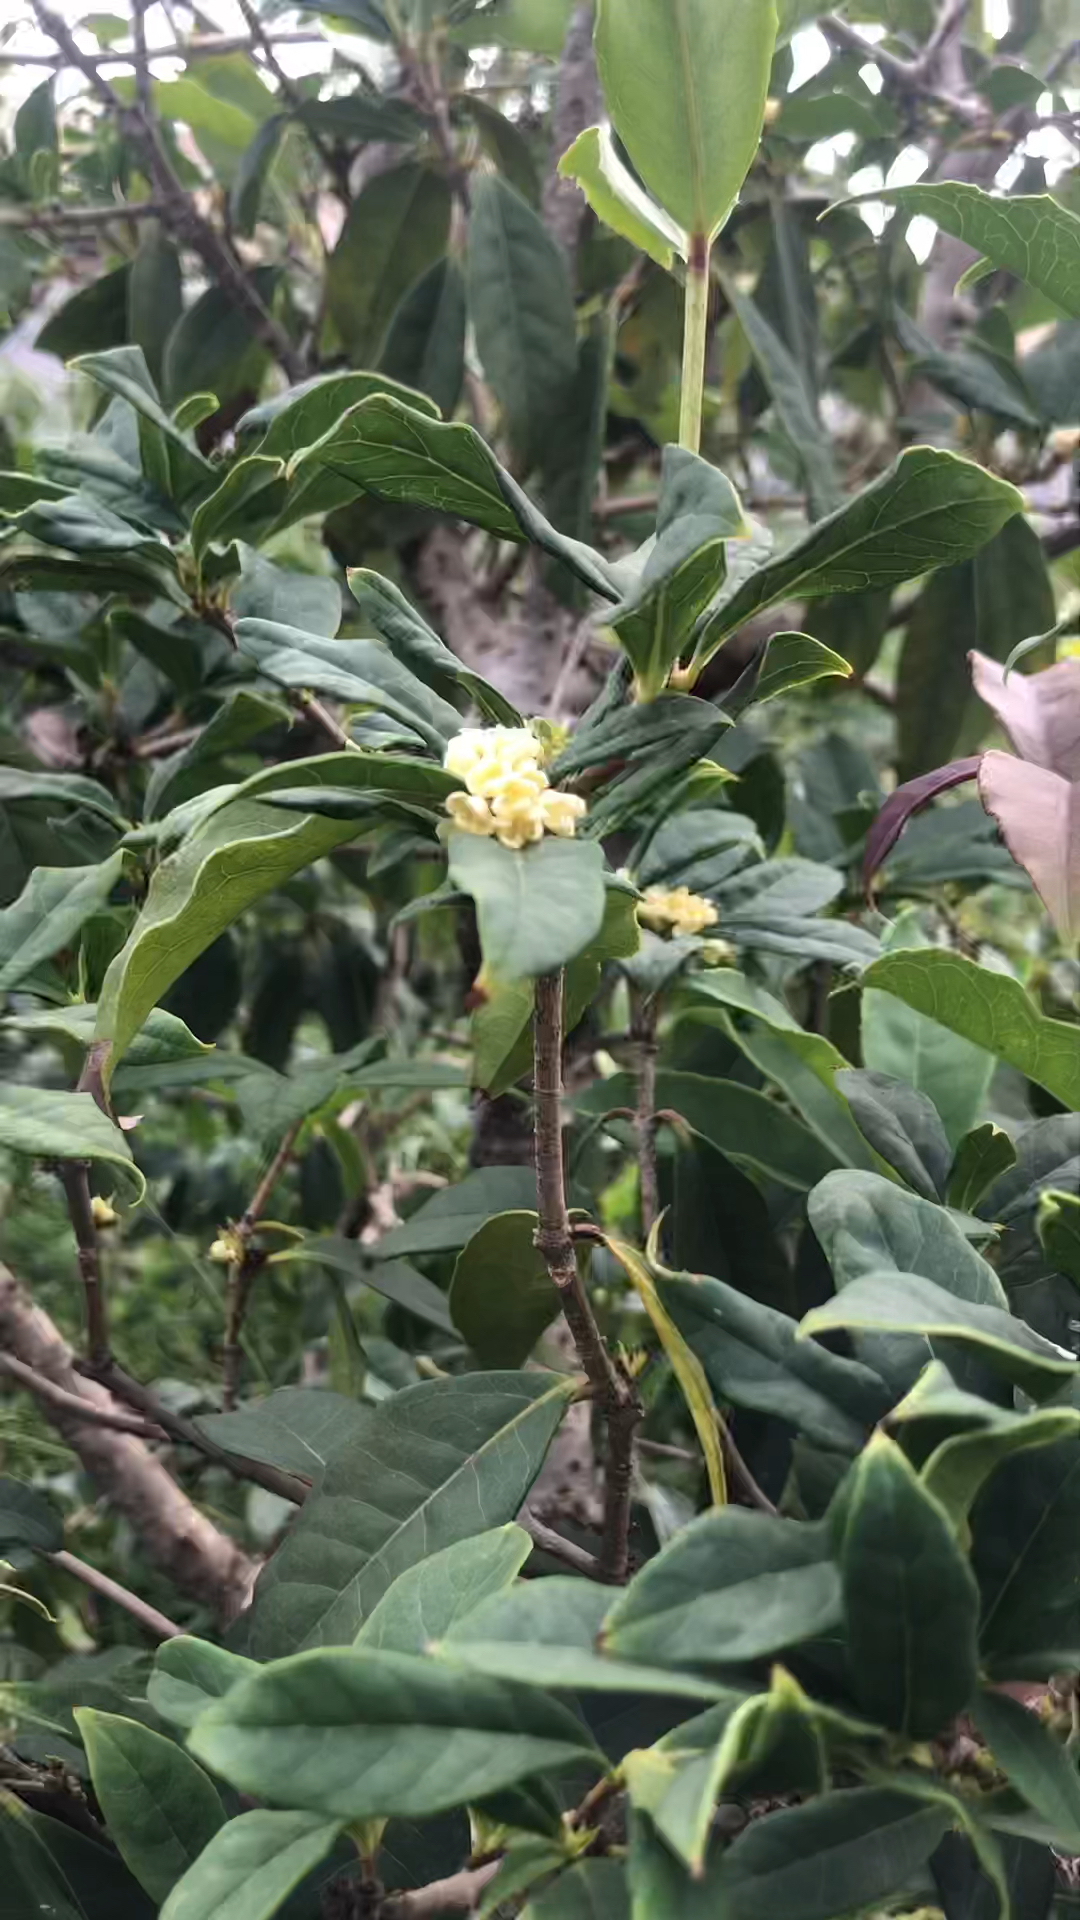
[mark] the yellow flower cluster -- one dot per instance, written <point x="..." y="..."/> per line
<point x="507" y="789"/>
<point x="676" y="910"/>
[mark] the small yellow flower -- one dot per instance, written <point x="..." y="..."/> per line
<point x="101" y="1213"/>
<point x="676" y="910"/>
<point x="507" y="789"/>
<point x="717" y="953"/>
<point x="469" y="813"/>
<point x="561" y="812"/>
<point x="224" y="1251"/>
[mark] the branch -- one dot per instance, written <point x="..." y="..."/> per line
<point x="181" y="215"/>
<point x="76" y="1405"/>
<point x="176" y="1537"/>
<point x="207" y="46"/>
<point x="155" y="1623"/>
<point x="75" y="1180"/>
<point x="615" y="1392"/>
<point x="559" y="1548"/>
<point x="48" y="217"/>
<point x="459" y="1894"/>
<point x="243" y="1271"/>
<point x="142" y="66"/>
<point x="335" y="163"/>
<point x="121" y="1384"/>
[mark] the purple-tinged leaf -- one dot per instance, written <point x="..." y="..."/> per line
<point x="1039" y="815"/>
<point x="1040" y="712"/>
<point x="908" y="800"/>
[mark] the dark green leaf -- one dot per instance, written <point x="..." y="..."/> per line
<point x="160" y="1807"/>
<point x="418" y="647"/>
<point x="981" y="1158"/>
<point x="296" y="1428"/>
<point x="28" y="1519"/>
<point x="522" y="309"/>
<point x="94" y="319"/>
<point x="910" y="1599"/>
<point x="448" y="1221"/>
<point x="902" y="1126"/>
<point x="397" y="228"/>
<point x="502" y="1297"/>
<point x="841" y="1853"/>
<point x="450" y="1457"/>
<point x="1036" y="1762"/>
<point x="155" y="297"/>
<point x="866" y="1224"/>
<point x="746" y="1126"/>
<point x="425" y="346"/>
<point x="794" y="403"/>
<point x="593" y="1890"/>
<point x="1026" y="1555"/>
<point x="54" y="904"/>
<point x="362" y="1735"/>
<point x="303" y="414"/>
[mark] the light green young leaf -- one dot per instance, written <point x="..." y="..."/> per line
<point x="685" y="83"/>
<point x="616" y="199"/>
<point x="160" y="1807"/>
<point x="1032" y="235"/>
<point x="795" y="660"/>
<point x="189" y="1674"/>
<point x="49" y="1125"/>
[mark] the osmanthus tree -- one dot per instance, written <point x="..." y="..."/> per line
<point x="675" y="1513"/>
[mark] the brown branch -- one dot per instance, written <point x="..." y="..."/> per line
<point x="143" y="92"/>
<point x="207" y="46"/>
<point x="157" y="1624"/>
<point x="336" y="163"/>
<point x="615" y="1392"/>
<point x="243" y="1272"/>
<point x="756" y="1496"/>
<point x="313" y="709"/>
<point x="175" y="1536"/>
<point x="559" y="1548"/>
<point x="286" y="1485"/>
<point x="47" y="218"/>
<point x="76" y="1405"/>
<point x="458" y="1894"/>
<point x="181" y="214"/>
<point x="75" y="1180"/>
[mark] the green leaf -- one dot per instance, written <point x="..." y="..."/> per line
<point x="427" y="1600"/>
<point x="501" y="1296"/>
<point x="896" y="1040"/>
<point x="359" y="671"/>
<point x="251" y="1866"/>
<point x="929" y="510"/>
<point x="249" y="181"/>
<point x="64" y="1126"/>
<point x="795" y="660"/>
<point x="418" y="647"/>
<point x="160" y="1808"/>
<point x="981" y="1158"/>
<point x="594" y="165"/>
<point x="1036" y="1763"/>
<point x="591" y="1890"/>
<point x="189" y="1674"/>
<point x="753" y="1357"/>
<point x="842" y="1853"/>
<point x="171" y="461"/>
<point x="395" y="1280"/>
<point x="902" y="1126"/>
<point x="231" y="859"/>
<point x="1058" y="1224"/>
<point x="747" y="1127"/>
<point x="96" y="317"/>
<point x="240" y="719"/>
<point x="397" y="227"/>
<point x="163" y="1041"/>
<point x="296" y="1428"/>
<point x="866" y="1224"/>
<point x="733" y="1586"/>
<point x="363" y="1735"/>
<point x="989" y="1009"/>
<point x="49" y="1868"/>
<point x="699" y="512"/>
<point x="898" y="1302"/>
<point x="1026" y="1554"/>
<point x="52" y="907"/>
<point x="213" y="348"/>
<point x="28" y="1519"/>
<point x="685" y="83"/>
<point x="226" y="512"/>
<point x="522" y="309"/>
<point x="1032" y="235"/>
<point x="537" y="909"/>
<point x="910" y="1599"/>
<point x="452" y="1457"/>
<point x="155" y="297"/>
<point x="35" y="122"/>
<point x="692" y="1379"/>
<point x="70" y="789"/>
<point x="425" y="346"/>
<point x="303" y="414"/>
<point x="794" y="403"/>
<point x="957" y="1470"/>
<point x="448" y="1221"/>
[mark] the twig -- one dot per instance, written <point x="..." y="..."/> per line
<point x="313" y="709"/>
<point x="740" y="1471"/>
<point x="75" y="1180"/>
<point x="207" y="46"/>
<point x="950" y="20"/>
<point x="180" y="212"/>
<point x="553" y="1543"/>
<point x="57" y="216"/>
<point x="74" y="1405"/>
<point x="619" y="503"/>
<point x="643" y="1036"/>
<point x="459" y="1894"/>
<point x="336" y="164"/>
<point x="615" y="1392"/>
<point x="156" y="746"/>
<point x="286" y="1485"/>
<point x="142" y="65"/>
<point x="155" y="1623"/>
<point x="242" y="1273"/>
